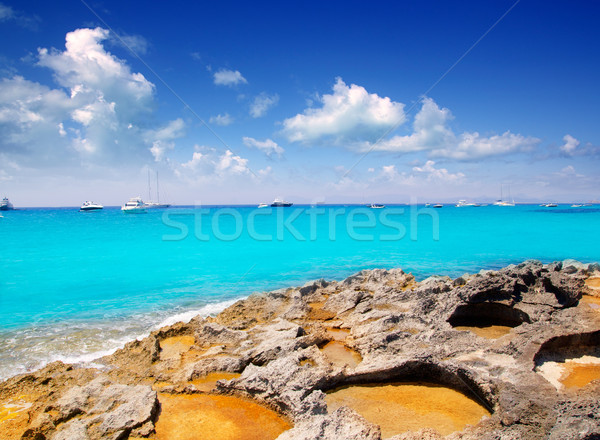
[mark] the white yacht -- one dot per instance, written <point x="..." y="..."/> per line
<point x="135" y="205"/>
<point x="91" y="206"/>
<point x="157" y="204"/>
<point x="549" y="205"/>
<point x="501" y="201"/>
<point x="280" y="203"/>
<point x="504" y="203"/>
<point x="263" y="205"/>
<point x="5" y="205"/>
<point x="376" y="206"/>
<point x="465" y="204"/>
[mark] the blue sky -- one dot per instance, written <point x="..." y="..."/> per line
<point x="311" y="101"/>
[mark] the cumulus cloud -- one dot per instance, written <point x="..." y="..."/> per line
<point x="350" y="113"/>
<point x="226" y="77"/>
<point x="438" y="174"/>
<point x="93" y="116"/>
<point x="432" y="133"/>
<point x="223" y="120"/>
<point x="570" y="144"/>
<point x="208" y="162"/>
<point x="268" y="146"/>
<point x="262" y="103"/>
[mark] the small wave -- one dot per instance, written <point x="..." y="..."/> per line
<point x="207" y="310"/>
<point x="35" y="348"/>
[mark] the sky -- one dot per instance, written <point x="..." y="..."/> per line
<point x="335" y="102"/>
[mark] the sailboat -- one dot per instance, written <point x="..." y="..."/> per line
<point x="151" y="204"/>
<point x="503" y="202"/>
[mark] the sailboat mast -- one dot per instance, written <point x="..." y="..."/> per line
<point x="157" y="196"/>
<point x="149" y="191"/>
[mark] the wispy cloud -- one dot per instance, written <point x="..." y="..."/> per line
<point x="570" y="145"/>
<point x="268" y="146"/>
<point x="136" y="43"/>
<point x="225" y="77"/>
<point x="22" y="19"/>
<point x="262" y="103"/>
<point x="222" y="120"/>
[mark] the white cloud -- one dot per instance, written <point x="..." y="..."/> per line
<point x="390" y="174"/>
<point x="225" y="77"/>
<point x="135" y="43"/>
<point x="472" y="146"/>
<point x="207" y="163"/>
<point x="26" y="21"/>
<point x="231" y="163"/>
<point x="268" y="146"/>
<point x="223" y="120"/>
<point x="437" y="174"/>
<point x="97" y="119"/>
<point x="349" y="113"/>
<point x="262" y="103"/>
<point x="6" y="12"/>
<point x="570" y="144"/>
<point x="162" y="139"/>
<point x="432" y="133"/>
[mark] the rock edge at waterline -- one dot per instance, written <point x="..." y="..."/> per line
<point x="268" y="348"/>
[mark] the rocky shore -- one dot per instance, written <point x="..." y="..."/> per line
<point x="519" y="346"/>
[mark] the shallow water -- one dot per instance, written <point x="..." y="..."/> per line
<point x="74" y="286"/>
<point x="401" y="407"/>
<point x="190" y="417"/>
<point x="488" y="332"/>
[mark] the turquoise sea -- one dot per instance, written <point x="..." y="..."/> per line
<point x="77" y="285"/>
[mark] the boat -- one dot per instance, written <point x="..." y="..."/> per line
<point x="135" y="205"/>
<point x="263" y="205"/>
<point x="501" y="201"/>
<point x="91" y="206"/>
<point x="549" y="205"/>
<point x="577" y="205"/>
<point x="504" y="203"/>
<point x="280" y="203"/>
<point x="157" y="204"/>
<point x="465" y="204"/>
<point x="5" y="205"/>
<point x="376" y="206"/>
<point x="438" y="205"/>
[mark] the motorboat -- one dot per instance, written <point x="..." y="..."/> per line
<point x="376" y="206"/>
<point x="465" y="204"/>
<point x="438" y="205"/>
<point x="577" y="205"/>
<point x="263" y="205"/>
<point x="135" y="205"/>
<point x="91" y="206"/>
<point x="5" y="205"/>
<point x="548" y="205"/>
<point x="280" y="203"/>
